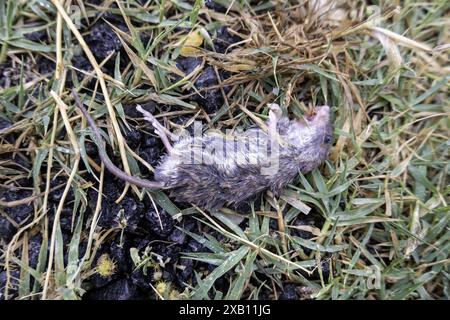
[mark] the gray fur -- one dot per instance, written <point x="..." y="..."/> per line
<point x="237" y="174"/>
<point x="223" y="183"/>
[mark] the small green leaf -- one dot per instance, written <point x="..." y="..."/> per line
<point x="234" y="258"/>
<point x="238" y="286"/>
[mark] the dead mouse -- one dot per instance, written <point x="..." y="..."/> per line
<point x="213" y="170"/>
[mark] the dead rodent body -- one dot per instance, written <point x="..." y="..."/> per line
<point x="213" y="170"/>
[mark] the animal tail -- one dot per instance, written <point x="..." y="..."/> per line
<point x="104" y="157"/>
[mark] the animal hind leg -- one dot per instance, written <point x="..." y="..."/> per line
<point x="160" y="130"/>
<point x="165" y="140"/>
<point x="275" y="114"/>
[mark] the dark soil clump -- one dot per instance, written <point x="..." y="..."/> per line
<point x="213" y="5"/>
<point x="103" y="41"/>
<point x="121" y="289"/>
<point x="224" y="39"/>
<point x="211" y="100"/>
<point x="289" y="292"/>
